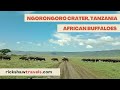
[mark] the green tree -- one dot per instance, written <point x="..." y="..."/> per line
<point x="5" y="51"/>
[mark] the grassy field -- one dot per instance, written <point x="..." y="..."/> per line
<point x="103" y="70"/>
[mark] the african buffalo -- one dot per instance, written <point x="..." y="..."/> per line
<point x="0" y="57"/>
<point x="31" y="58"/>
<point x="54" y="59"/>
<point x="6" y="57"/>
<point x="40" y="59"/>
<point x="65" y="59"/>
<point x="24" y="58"/>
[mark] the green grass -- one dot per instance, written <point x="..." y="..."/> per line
<point x="16" y="63"/>
<point x="104" y="70"/>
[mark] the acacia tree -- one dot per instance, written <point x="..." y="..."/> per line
<point x="5" y="51"/>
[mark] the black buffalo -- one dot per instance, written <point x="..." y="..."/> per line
<point x="65" y="59"/>
<point x="54" y="59"/>
<point x="5" y="57"/>
<point x="40" y="59"/>
<point x="24" y="58"/>
<point x="1" y="57"/>
<point x="32" y="58"/>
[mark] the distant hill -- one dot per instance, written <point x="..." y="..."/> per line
<point x="107" y="53"/>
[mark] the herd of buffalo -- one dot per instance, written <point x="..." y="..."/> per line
<point x="31" y="58"/>
<point x="102" y="60"/>
<point x="6" y="57"/>
<point x="41" y="59"/>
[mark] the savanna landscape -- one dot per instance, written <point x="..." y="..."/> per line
<point x="74" y="68"/>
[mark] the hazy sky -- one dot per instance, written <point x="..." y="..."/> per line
<point x="16" y="34"/>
